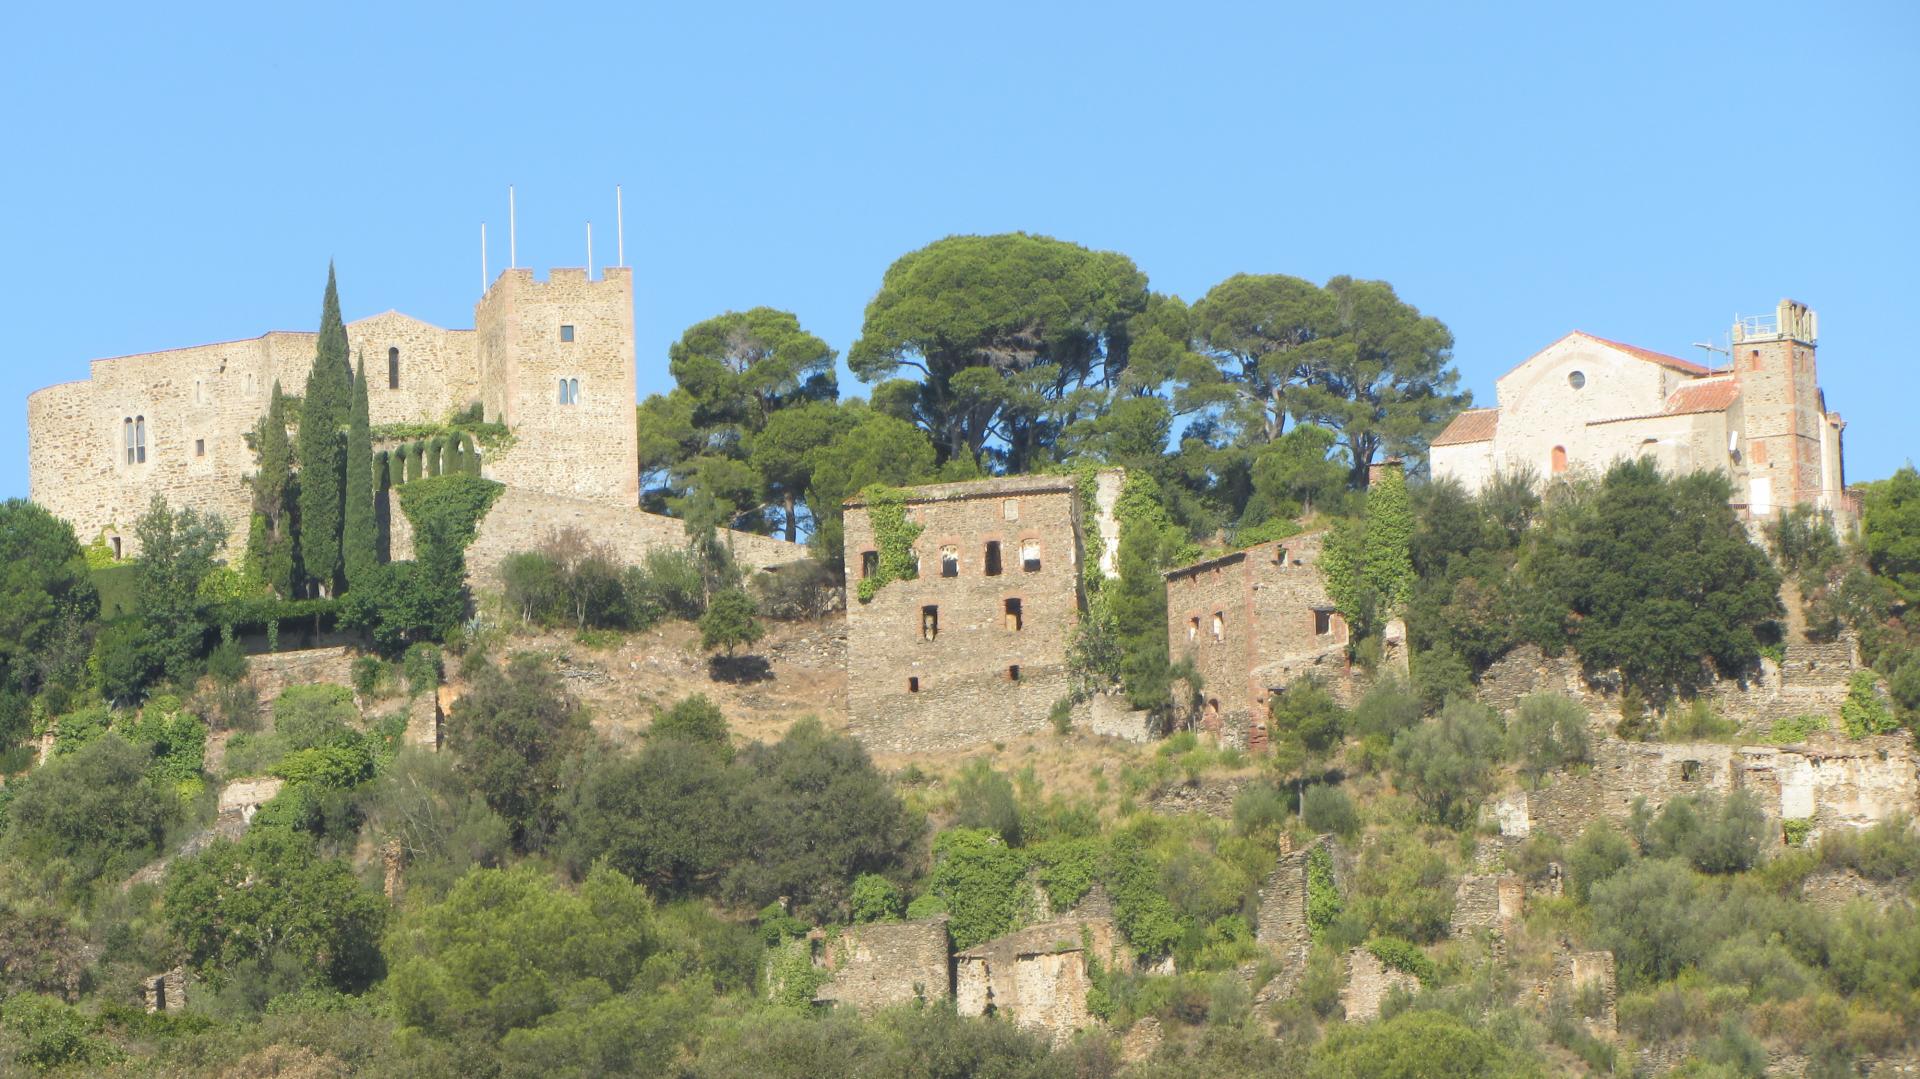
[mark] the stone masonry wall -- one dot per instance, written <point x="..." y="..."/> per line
<point x="886" y="963"/>
<point x="939" y="662"/>
<point x="196" y="405"/>
<point x="1038" y="976"/>
<point x="521" y="520"/>
<point x="1253" y="620"/>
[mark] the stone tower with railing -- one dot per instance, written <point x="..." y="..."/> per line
<point x="1789" y="452"/>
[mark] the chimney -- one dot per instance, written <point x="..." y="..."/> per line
<point x="1380" y="467"/>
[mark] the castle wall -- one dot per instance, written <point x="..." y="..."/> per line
<point x="197" y="405"/>
<point x="1471" y="464"/>
<point x="911" y="689"/>
<point x="521" y="520"/>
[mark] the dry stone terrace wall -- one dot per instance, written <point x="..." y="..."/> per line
<point x="1812" y="680"/>
<point x="1831" y="780"/>
<point x="942" y="662"/>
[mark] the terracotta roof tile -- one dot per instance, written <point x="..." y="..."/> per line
<point x="1647" y="354"/>
<point x="1708" y="395"/>
<point x="1473" y="425"/>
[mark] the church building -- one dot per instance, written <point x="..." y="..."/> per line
<point x="1584" y="402"/>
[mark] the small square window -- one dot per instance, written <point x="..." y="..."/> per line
<point x="199" y="447"/>
<point x="566" y="333"/>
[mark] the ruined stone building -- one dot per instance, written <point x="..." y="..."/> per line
<point x="1251" y="622"/>
<point x="1584" y="402"/>
<point x="553" y="360"/>
<point x="974" y="648"/>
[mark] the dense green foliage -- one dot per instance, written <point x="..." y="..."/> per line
<point x="359" y="535"/>
<point x="320" y="449"/>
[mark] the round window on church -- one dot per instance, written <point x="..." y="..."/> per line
<point x="1576" y="379"/>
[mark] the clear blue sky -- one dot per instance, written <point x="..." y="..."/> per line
<point x="179" y="175"/>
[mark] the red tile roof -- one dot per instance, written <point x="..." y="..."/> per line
<point x="1708" y="395"/>
<point x="1647" y="354"/>
<point x="1473" y="425"/>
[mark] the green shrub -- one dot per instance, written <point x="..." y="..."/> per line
<point x="50" y="1034"/>
<point x="1797" y="729"/>
<point x="1406" y="957"/>
<point x="1327" y="808"/>
<point x="1547" y="732"/>
<point x="1717" y="835"/>
<point x="875" y="899"/>
<point x="981" y="880"/>
<point x="423" y="666"/>
<point x="367" y="672"/>
<point x="1795" y="830"/>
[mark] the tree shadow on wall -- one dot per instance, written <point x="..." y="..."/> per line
<point x="739" y="670"/>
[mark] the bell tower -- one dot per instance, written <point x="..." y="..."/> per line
<point x="1785" y="444"/>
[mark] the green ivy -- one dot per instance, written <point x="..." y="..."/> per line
<point x="1796" y="830"/>
<point x="1323" y="899"/>
<point x="792" y="979"/>
<point x="1863" y="712"/>
<point x="448" y="507"/>
<point x="893" y="534"/>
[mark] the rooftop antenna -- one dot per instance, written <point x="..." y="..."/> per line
<point x="1710" y="350"/>
<point x="483" y="258"/>
<point x="513" y="252"/>
<point x="619" y="227"/>
<point x="589" y="250"/>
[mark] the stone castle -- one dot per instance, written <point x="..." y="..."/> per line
<point x="553" y="360"/>
<point x="1584" y="402"/>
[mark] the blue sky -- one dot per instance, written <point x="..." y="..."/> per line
<point x="179" y="175"/>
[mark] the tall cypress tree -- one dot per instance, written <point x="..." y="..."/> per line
<point x="322" y="451"/>
<point x="359" y="536"/>
<point x="270" y="546"/>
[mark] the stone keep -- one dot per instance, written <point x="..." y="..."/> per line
<point x="1584" y="402"/>
<point x="175" y="423"/>
<point x="975" y="648"/>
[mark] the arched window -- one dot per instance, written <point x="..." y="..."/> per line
<point x="1219" y="625"/>
<point x="393" y="368"/>
<point x="1559" y="459"/>
<point x="126" y="437"/>
<point x="140" y="439"/>
<point x="573" y="391"/>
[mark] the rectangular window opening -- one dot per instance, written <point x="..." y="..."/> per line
<point x="949" y="562"/>
<point x="116" y="548"/>
<point x="199" y="447"/>
<point x="929" y="622"/>
<point x="1013" y="673"/>
<point x="566" y="334"/>
<point x="1014" y="619"/>
<point x="993" y="558"/>
<point x="869" y="563"/>
<point x="1030" y="556"/>
<point x="1322" y="621"/>
<point x="1193" y="627"/>
<point x="1219" y="625"/>
<point x="913" y="685"/>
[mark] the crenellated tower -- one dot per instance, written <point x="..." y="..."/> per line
<point x="556" y="364"/>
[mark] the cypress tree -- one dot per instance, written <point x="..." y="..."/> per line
<point x="434" y="448"/>
<point x="269" y="547"/>
<point x="359" y="541"/>
<point x="469" y="455"/>
<point x="383" y="506"/>
<point x="322" y="452"/>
